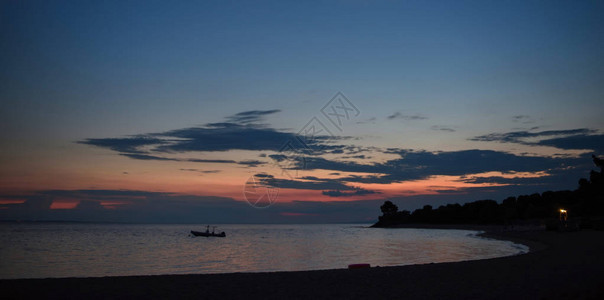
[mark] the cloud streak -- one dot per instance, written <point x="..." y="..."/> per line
<point x="252" y="116"/>
<point x="520" y="136"/>
<point x="399" y="115"/>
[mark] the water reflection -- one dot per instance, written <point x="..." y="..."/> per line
<point x="62" y="250"/>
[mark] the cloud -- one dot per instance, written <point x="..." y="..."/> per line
<point x="214" y="161"/>
<point x="415" y="165"/>
<point x="368" y="121"/>
<point x="241" y="133"/>
<point x="573" y="139"/>
<point x="442" y="128"/>
<point x="305" y="183"/>
<point x="251" y="116"/>
<point x="398" y="115"/>
<point x="124" y="145"/>
<point x="223" y="138"/>
<point x="251" y="163"/>
<point x="147" y="157"/>
<point x="524" y="119"/>
<point x="519" y="136"/>
<point x="590" y="142"/>
<point x="201" y="171"/>
<point x="355" y="192"/>
<point x="409" y="165"/>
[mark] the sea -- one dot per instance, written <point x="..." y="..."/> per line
<point x="43" y="250"/>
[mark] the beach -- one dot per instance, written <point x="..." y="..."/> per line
<point x="560" y="265"/>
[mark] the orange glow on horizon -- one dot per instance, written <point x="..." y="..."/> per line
<point x="11" y="201"/>
<point x="64" y="204"/>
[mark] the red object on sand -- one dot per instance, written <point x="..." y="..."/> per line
<point x="359" y="266"/>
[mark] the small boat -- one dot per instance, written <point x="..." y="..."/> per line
<point x="207" y="233"/>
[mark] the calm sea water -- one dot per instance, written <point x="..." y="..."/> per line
<point x="85" y="250"/>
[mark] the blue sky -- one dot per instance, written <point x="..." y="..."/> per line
<point x="521" y="79"/>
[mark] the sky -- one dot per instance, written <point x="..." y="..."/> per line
<point x="292" y="111"/>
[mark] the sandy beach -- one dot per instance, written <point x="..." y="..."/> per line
<point x="561" y="265"/>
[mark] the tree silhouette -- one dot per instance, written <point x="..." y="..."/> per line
<point x="389" y="208"/>
<point x="586" y="204"/>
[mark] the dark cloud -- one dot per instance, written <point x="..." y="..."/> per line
<point x="147" y="157"/>
<point x="251" y="163"/>
<point x="241" y="133"/>
<point x="399" y="115"/>
<point x="414" y="165"/>
<point x="214" y="161"/>
<point x="579" y="139"/>
<point x="223" y="138"/>
<point x="589" y="142"/>
<point x="362" y="156"/>
<point x="519" y="136"/>
<point x="278" y="157"/>
<point x="124" y="145"/>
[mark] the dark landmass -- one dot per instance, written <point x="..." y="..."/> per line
<point x="561" y="265"/>
<point x="584" y="208"/>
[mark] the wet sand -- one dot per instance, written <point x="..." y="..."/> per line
<point x="561" y="265"/>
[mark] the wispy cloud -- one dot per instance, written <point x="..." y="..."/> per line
<point x="252" y="116"/>
<point x="524" y="119"/>
<point x="367" y="121"/>
<point x="442" y="128"/>
<point x="518" y="136"/>
<point x="399" y="115"/>
<point x="355" y="192"/>
<point x="201" y="171"/>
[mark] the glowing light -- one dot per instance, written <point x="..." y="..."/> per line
<point x="563" y="214"/>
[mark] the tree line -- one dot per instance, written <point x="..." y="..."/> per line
<point x="586" y="204"/>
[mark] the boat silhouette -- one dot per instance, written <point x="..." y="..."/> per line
<point x="207" y="233"/>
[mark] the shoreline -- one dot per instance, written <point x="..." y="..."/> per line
<point x="560" y="265"/>
<point x="498" y="232"/>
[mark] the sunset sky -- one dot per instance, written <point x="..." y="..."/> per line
<point x="149" y="111"/>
